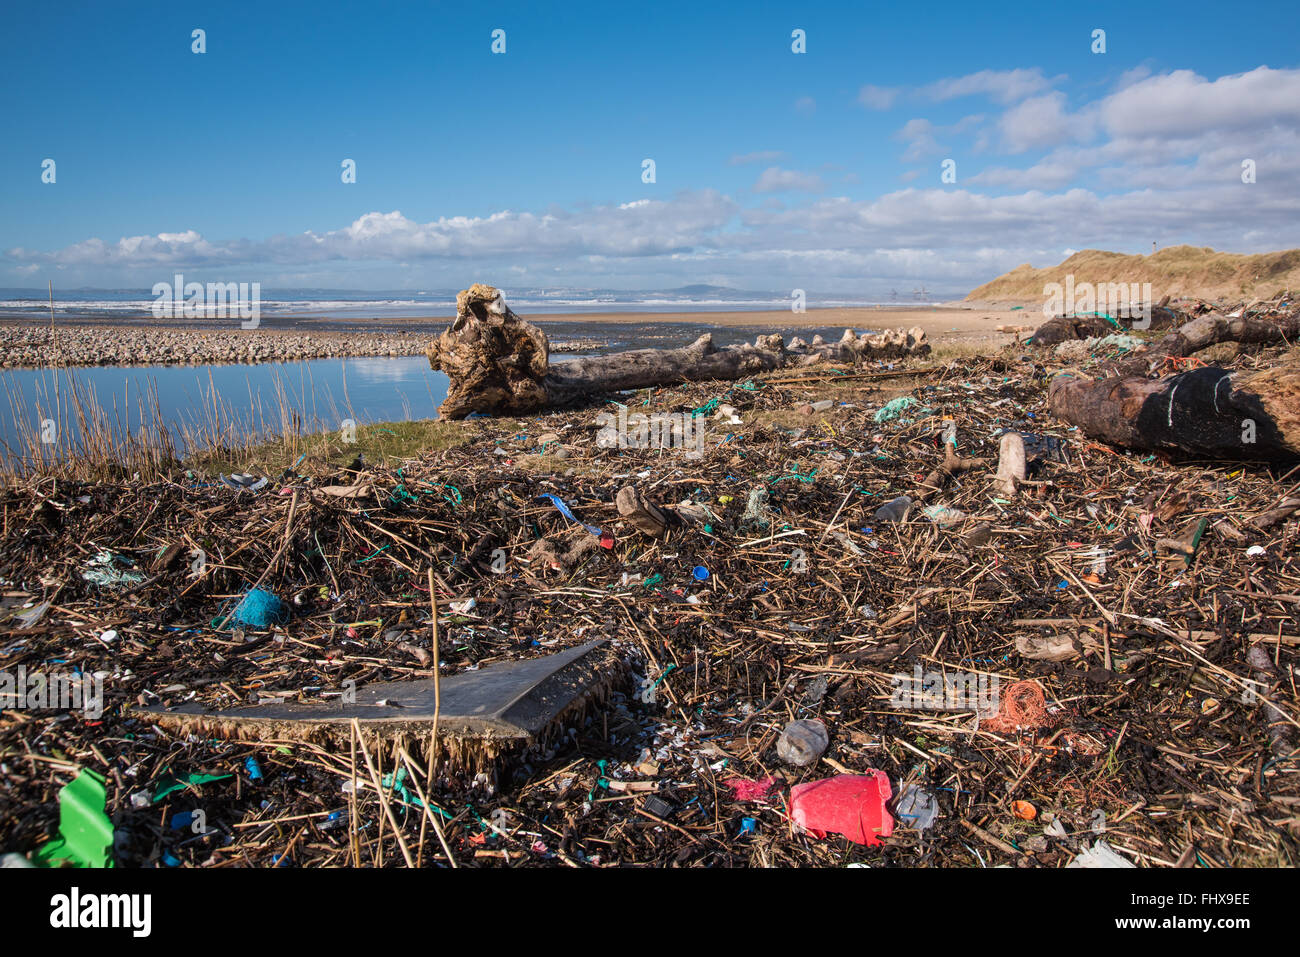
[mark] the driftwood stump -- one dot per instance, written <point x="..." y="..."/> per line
<point x="495" y="360"/>
<point x="500" y="365"/>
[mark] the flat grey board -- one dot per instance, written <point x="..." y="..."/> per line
<point x="504" y="699"/>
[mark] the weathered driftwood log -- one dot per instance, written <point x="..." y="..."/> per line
<point x="1203" y="331"/>
<point x="1065" y="328"/>
<point x="499" y="364"/>
<point x="1251" y="415"/>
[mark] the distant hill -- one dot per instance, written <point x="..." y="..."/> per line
<point x="1186" y="271"/>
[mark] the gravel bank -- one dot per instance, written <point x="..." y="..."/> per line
<point x="99" y="346"/>
<point x="28" y="346"/>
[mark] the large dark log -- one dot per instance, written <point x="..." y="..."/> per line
<point x="1252" y="415"/>
<point x="499" y="364"/>
<point x="1247" y="415"/>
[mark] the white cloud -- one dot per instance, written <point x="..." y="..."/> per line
<point x="777" y="180"/>
<point x="1041" y="121"/>
<point x="1050" y="173"/>
<point x="958" y="236"/>
<point x="1002" y="86"/>
<point x="1182" y="103"/>
<point x="761" y="156"/>
<point x="919" y="136"/>
<point x="877" y="97"/>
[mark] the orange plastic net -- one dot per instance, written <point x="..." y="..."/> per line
<point x="1023" y="707"/>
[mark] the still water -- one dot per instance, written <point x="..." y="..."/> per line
<point x="217" y="399"/>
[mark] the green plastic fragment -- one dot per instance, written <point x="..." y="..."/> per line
<point x="794" y="470"/>
<point x="85" y="832"/>
<point x="892" y="409"/>
<point x="110" y="570"/>
<point x="168" y="784"/>
<point x="707" y="408"/>
<point x="398" y="784"/>
<point x="1196" y="541"/>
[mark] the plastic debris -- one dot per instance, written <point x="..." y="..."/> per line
<point x="85" y="832"/>
<point x="916" y="807"/>
<point x="1045" y="447"/>
<point x="892" y="409"/>
<point x="743" y="789"/>
<point x="1022" y="707"/>
<point x="756" y="510"/>
<point x="168" y="785"/>
<point x="1046" y="647"/>
<point x="567" y="512"/>
<point x="1121" y="341"/>
<point x="943" y="516"/>
<point x="848" y="804"/>
<point x="1024" y="810"/>
<point x="823" y="405"/>
<point x="1100" y="854"/>
<point x="31" y="616"/>
<point x="110" y="570"/>
<point x="802" y="742"/>
<point x="658" y="807"/>
<point x="243" y="482"/>
<point x="260" y="609"/>
<point x="895" y="510"/>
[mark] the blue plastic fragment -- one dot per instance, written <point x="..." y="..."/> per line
<point x="567" y="512"/>
<point x="260" y="609"/>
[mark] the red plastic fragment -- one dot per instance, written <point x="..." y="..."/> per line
<point x="848" y="804"/>
<point x="745" y="790"/>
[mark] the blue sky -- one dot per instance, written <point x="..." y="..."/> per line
<point x="819" y="170"/>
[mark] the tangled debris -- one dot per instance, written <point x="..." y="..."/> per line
<point x="1041" y="648"/>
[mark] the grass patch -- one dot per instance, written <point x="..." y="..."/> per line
<point x="381" y="443"/>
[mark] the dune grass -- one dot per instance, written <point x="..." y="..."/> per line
<point x="1176" y="271"/>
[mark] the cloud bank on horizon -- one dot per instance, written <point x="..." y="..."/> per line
<point x="1038" y="164"/>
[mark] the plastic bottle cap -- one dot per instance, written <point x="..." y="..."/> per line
<point x="700" y="572"/>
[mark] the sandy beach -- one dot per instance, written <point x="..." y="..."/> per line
<point x="948" y="322"/>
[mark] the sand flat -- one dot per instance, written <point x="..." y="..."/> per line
<point x="943" y="322"/>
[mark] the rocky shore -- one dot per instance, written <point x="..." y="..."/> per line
<point x="30" y="346"/>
